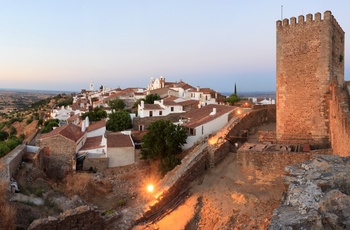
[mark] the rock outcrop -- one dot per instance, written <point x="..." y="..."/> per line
<point x="318" y="195"/>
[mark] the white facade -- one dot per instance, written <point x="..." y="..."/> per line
<point x="206" y="129"/>
<point x="120" y="156"/>
<point x="158" y="109"/>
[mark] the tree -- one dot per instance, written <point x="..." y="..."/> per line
<point x="163" y="142"/>
<point x="119" y="121"/>
<point x="4" y="149"/>
<point x="96" y="114"/>
<point x="150" y="98"/>
<point x="116" y="104"/>
<point x="232" y="99"/>
<point x="49" y="124"/>
<point x="3" y="135"/>
<point x="13" y="131"/>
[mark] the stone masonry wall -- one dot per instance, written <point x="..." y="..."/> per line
<point x="173" y="184"/>
<point x="309" y="53"/>
<point x="267" y="136"/>
<point x="340" y="120"/>
<point x="253" y="119"/>
<point x="96" y="163"/>
<point x="59" y="155"/>
<point x="83" y="217"/>
<point x="11" y="163"/>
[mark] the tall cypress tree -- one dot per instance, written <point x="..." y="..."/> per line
<point x="235" y="91"/>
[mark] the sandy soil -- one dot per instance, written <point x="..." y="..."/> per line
<point x="239" y="193"/>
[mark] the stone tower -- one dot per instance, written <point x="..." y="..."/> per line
<point x="310" y="53"/>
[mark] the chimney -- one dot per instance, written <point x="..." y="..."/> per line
<point x="213" y="112"/>
<point x="83" y="126"/>
<point x="87" y="122"/>
<point x="198" y="88"/>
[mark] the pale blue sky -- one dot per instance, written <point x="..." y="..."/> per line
<point x="62" y="45"/>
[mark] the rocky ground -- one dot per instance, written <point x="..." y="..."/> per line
<point x="109" y="191"/>
<point x="318" y="195"/>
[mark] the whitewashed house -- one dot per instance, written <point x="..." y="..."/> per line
<point x="204" y="121"/>
<point x="120" y="149"/>
<point x="159" y="108"/>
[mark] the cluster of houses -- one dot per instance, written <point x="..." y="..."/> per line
<point x="79" y="143"/>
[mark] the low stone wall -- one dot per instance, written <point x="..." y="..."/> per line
<point x="83" y="217"/>
<point x="173" y="184"/>
<point x="217" y="155"/>
<point x="95" y="163"/>
<point x="12" y="162"/>
<point x="267" y="136"/>
<point x="253" y="119"/>
<point x="318" y="195"/>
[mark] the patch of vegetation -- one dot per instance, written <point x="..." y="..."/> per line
<point x="119" y="121"/>
<point x="121" y="202"/>
<point x="109" y="212"/>
<point x="341" y="57"/>
<point x="116" y="104"/>
<point x="232" y="99"/>
<point x="96" y="114"/>
<point x="49" y="124"/>
<point x="164" y="142"/>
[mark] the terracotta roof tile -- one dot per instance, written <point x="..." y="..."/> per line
<point x="189" y="102"/>
<point x="152" y="107"/>
<point x="92" y="143"/>
<point x="119" y="140"/>
<point x="96" y="125"/>
<point x="69" y="131"/>
<point x="201" y="116"/>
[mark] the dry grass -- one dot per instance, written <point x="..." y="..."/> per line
<point x="83" y="185"/>
<point x="7" y="212"/>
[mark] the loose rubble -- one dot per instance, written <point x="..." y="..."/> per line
<point x="318" y="195"/>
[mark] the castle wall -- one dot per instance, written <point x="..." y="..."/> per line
<point x="309" y="54"/>
<point x="340" y="120"/>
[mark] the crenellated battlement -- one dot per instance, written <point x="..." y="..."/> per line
<point x="309" y="53"/>
<point x="308" y="19"/>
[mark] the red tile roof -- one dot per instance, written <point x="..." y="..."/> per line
<point x="152" y="107"/>
<point x="72" y="118"/>
<point x="92" y="143"/>
<point x="201" y="116"/>
<point x="188" y="102"/>
<point x="96" y="125"/>
<point x="119" y="140"/>
<point x="69" y="131"/>
<point x="170" y="98"/>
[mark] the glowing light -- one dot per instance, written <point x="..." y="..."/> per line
<point x="213" y="140"/>
<point x="239" y="112"/>
<point x="150" y="188"/>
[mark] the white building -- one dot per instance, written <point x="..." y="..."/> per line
<point x="204" y="121"/>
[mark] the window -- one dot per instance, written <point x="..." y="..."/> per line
<point x="141" y="127"/>
<point x="150" y="113"/>
<point x="172" y="109"/>
<point x="192" y="132"/>
<point x="160" y="113"/>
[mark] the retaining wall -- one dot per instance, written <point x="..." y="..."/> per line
<point x="12" y="162"/>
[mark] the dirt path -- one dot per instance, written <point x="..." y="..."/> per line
<point x="239" y="193"/>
